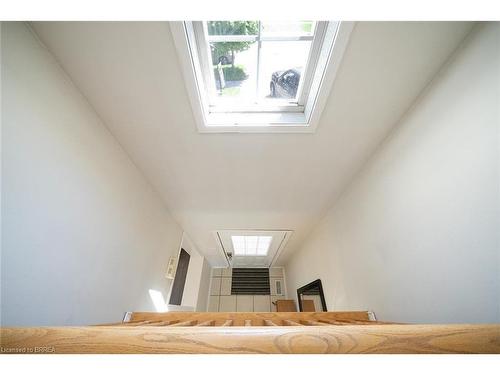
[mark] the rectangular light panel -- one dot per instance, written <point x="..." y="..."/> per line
<point x="251" y="245"/>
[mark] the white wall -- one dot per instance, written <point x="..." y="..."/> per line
<point x="84" y="235"/>
<point x="204" y="288"/>
<point x="415" y="237"/>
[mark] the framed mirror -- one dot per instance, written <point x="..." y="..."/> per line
<point x="311" y="297"/>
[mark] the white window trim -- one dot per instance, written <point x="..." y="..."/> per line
<point x="327" y="62"/>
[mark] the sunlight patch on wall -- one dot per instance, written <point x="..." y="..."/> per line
<point x="158" y="300"/>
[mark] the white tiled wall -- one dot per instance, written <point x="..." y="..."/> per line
<point x="227" y="272"/>
<point x="215" y="286"/>
<point x="227" y="303"/>
<point x="225" y="286"/>
<point x="216" y="272"/>
<point x="276" y="272"/>
<point x="213" y="303"/>
<point x="262" y="303"/>
<point x="221" y="299"/>
<point x="244" y="303"/>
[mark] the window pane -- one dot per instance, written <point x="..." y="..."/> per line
<point x="236" y="76"/>
<point x="282" y="29"/>
<point x="263" y="245"/>
<point x="238" y="245"/>
<point x="282" y="65"/>
<point x="233" y="27"/>
<point x="249" y="70"/>
<point x="251" y="245"/>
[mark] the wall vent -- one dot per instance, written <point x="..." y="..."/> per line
<point x="277" y="284"/>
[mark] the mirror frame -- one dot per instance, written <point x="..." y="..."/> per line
<point x="312" y="285"/>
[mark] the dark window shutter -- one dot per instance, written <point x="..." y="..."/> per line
<point x="250" y="281"/>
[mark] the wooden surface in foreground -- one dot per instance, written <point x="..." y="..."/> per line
<point x="251" y="318"/>
<point x="258" y="333"/>
<point x="290" y="339"/>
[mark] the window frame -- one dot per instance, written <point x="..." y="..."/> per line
<point x="327" y="48"/>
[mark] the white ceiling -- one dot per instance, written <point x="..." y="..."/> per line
<point x="130" y="74"/>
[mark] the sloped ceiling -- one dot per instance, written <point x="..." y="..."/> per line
<point x="130" y="73"/>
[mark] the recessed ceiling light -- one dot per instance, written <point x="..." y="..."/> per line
<point x="251" y="245"/>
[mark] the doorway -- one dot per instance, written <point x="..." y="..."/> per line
<point x="180" y="278"/>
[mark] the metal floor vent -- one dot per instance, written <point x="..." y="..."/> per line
<point x="250" y="281"/>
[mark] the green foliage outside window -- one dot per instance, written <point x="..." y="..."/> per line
<point x="220" y="49"/>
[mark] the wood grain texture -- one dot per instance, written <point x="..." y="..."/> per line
<point x="285" y="305"/>
<point x="308" y="305"/>
<point x="313" y="323"/>
<point x="270" y="323"/>
<point x="207" y="323"/>
<point x="392" y="338"/>
<point x="288" y="322"/>
<point x="257" y="319"/>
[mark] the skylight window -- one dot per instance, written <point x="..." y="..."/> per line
<point x="257" y="63"/>
<point x="254" y="75"/>
<point x="251" y="245"/>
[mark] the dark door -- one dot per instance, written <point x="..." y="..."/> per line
<point x="180" y="278"/>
